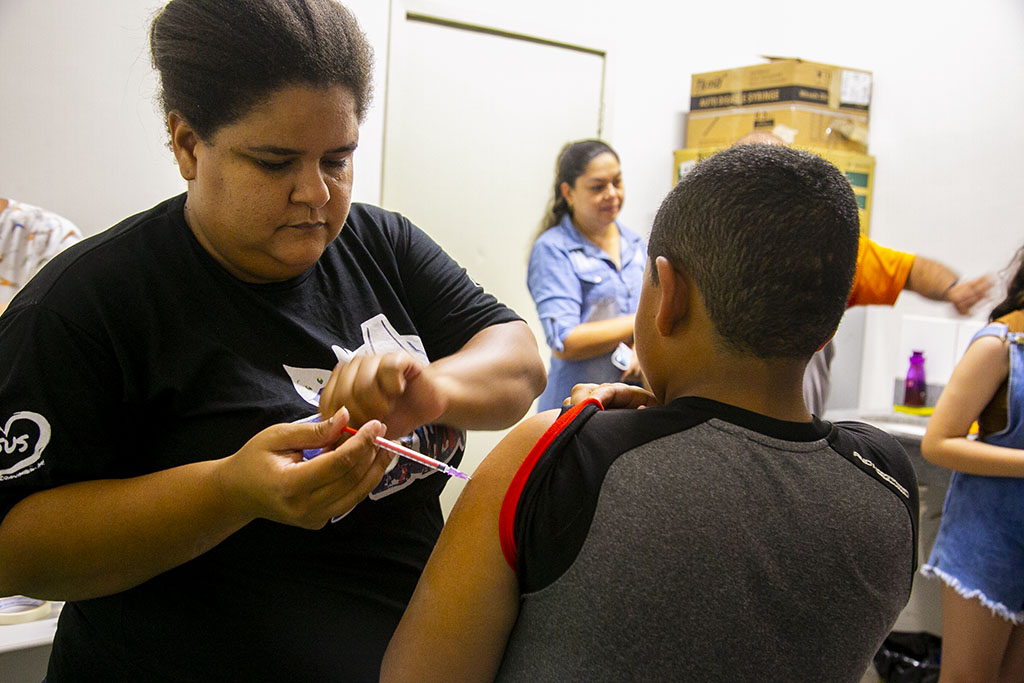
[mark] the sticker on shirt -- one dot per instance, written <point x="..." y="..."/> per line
<point x="438" y="441"/>
<point x="379" y="336"/>
<point x="22" y="442"/>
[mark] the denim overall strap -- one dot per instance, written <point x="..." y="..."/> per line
<point x="1013" y="435"/>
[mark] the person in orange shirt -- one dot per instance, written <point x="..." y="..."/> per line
<point x="882" y="273"/>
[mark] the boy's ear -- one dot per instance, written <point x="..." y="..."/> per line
<point x="183" y="141"/>
<point x="674" y="301"/>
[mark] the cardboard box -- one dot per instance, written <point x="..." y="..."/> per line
<point x="779" y="81"/>
<point x="685" y="159"/>
<point x="801" y="125"/>
<point x="859" y="169"/>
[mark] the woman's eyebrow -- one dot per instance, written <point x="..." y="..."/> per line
<point x="285" y="151"/>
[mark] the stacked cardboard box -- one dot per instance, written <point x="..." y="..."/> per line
<point x="804" y="103"/>
<point x="818" y="107"/>
<point x="859" y="169"/>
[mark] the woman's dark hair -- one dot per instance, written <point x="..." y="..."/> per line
<point x="1014" y="288"/>
<point x="571" y="163"/>
<point x="219" y="58"/>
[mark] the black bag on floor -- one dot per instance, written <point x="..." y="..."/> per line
<point x="909" y="658"/>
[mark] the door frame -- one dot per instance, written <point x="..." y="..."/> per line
<point x="487" y="21"/>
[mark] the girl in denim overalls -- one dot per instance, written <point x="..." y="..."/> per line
<point x="979" y="551"/>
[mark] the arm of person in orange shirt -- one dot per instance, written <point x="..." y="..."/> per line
<point x="882" y="273"/>
<point x="937" y="282"/>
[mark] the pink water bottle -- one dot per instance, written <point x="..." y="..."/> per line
<point x="915" y="390"/>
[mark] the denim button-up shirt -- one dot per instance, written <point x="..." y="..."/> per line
<point x="573" y="281"/>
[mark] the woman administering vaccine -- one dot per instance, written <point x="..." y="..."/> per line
<point x="158" y="377"/>
<point x="585" y="273"/>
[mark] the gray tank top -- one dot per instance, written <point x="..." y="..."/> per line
<point x="711" y="549"/>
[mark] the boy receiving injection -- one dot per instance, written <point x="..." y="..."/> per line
<point x="720" y="534"/>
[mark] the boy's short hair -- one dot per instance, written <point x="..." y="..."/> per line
<point x="769" y="235"/>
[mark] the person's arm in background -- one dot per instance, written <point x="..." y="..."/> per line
<point x="466" y="602"/>
<point x="558" y="295"/>
<point x="936" y="281"/>
<point x="5" y="301"/>
<point x="95" y="538"/>
<point x="489" y="383"/>
<point x="33" y="236"/>
<point x="596" y="338"/>
<point x="882" y="273"/>
<point x="983" y="368"/>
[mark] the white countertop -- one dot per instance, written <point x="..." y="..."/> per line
<point x="900" y="425"/>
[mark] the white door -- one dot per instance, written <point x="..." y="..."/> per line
<point x="474" y="120"/>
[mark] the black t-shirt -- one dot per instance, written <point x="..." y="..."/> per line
<point x="134" y="352"/>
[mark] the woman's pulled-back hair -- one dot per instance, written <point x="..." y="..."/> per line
<point x="571" y="164"/>
<point x="219" y="58"/>
<point x="1014" y="288"/>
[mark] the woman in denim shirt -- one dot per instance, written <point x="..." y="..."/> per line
<point x="585" y="274"/>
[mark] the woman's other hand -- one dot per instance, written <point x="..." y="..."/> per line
<point x="394" y="388"/>
<point x="615" y="395"/>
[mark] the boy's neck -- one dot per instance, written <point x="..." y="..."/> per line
<point x="773" y="388"/>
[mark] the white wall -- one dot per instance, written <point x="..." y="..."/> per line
<point x="944" y="122"/>
<point x="80" y="132"/>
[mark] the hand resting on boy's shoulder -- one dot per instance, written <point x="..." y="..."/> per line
<point x="613" y="395"/>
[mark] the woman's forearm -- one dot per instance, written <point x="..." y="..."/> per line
<point x="95" y="538"/>
<point x="491" y="382"/>
<point x="973" y="457"/>
<point x="588" y="340"/>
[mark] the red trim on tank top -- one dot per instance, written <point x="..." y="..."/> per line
<point x="507" y="517"/>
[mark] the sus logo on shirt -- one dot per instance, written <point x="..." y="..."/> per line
<point x="22" y="441"/>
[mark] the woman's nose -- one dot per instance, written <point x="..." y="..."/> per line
<point x="311" y="188"/>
